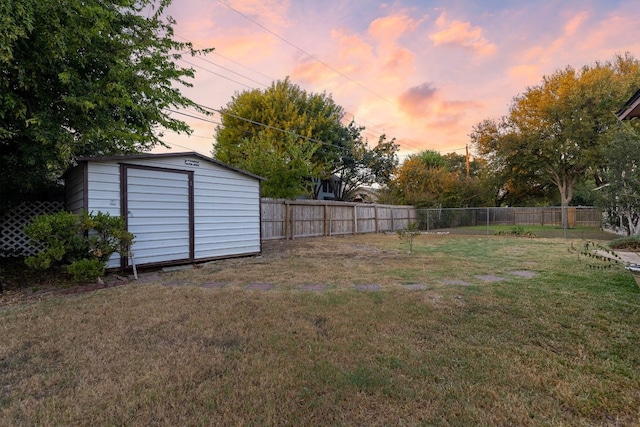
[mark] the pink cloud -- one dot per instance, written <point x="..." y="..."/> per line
<point x="310" y="71"/>
<point x="448" y="114"/>
<point x="270" y="13"/>
<point x="416" y="99"/>
<point x="243" y="47"/>
<point x="459" y="33"/>
<point x="571" y="27"/>
<point x="389" y="28"/>
<point x="400" y="60"/>
<point x="351" y="47"/>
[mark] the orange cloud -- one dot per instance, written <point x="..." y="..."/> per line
<point x="458" y="33"/>
<point x="311" y="71"/>
<point x="389" y="28"/>
<point x="272" y="13"/>
<point x="351" y="48"/>
<point x="242" y="47"/>
<point x="400" y="60"/>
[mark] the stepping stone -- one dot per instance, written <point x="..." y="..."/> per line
<point x="259" y="287"/>
<point x="317" y="287"/>
<point x="490" y="278"/>
<point x="455" y="282"/>
<point x="370" y="288"/>
<point x="174" y="283"/>
<point x="415" y="286"/>
<point x="524" y="273"/>
<point x="146" y="278"/>
<point x="214" y="285"/>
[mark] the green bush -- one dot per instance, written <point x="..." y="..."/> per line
<point x="630" y="242"/>
<point x="517" y="230"/>
<point x="83" y="242"/>
<point x="86" y="269"/>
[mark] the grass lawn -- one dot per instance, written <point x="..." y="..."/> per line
<point x="465" y="331"/>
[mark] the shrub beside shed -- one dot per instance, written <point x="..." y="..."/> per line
<point x="182" y="207"/>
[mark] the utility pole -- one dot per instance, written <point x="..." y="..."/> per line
<point x="467" y="162"/>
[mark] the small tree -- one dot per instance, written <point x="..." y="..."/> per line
<point x="408" y="234"/>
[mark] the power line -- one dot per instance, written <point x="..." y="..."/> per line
<point x="315" y="58"/>
<point x="229" y="70"/>
<point x="271" y="127"/>
<point x="215" y="52"/>
<point x="213" y="72"/>
<point x="399" y="138"/>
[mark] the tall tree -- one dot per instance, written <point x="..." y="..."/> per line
<point x="304" y="136"/>
<point x="355" y="164"/>
<point x="84" y="77"/>
<point x="555" y="132"/>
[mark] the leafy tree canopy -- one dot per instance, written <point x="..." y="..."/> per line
<point x="621" y="194"/>
<point x="299" y="135"/>
<point x="555" y="132"/>
<point x="429" y="179"/>
<point x="84" y="77"/>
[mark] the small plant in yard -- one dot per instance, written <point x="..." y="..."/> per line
<point x="601" y="257"/>
<point x="408" y="234"/>
<point x="518" y="230"/>
<point x="84" y="242"/>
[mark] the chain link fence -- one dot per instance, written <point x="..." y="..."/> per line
<point x="437" y="219"/>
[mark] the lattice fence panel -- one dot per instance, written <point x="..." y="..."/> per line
<point x="13" y="241"/>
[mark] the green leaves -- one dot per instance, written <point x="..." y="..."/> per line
<point x="84" y="77"/>
<point x="555" y="132"/>
<point x="289" y="136"/>
<point x="85" y="242"/>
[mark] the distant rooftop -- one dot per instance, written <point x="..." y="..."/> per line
<point x="631" y="109"/>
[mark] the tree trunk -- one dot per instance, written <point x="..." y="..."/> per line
<point x="565" y="185"/>
<point x="634" y="225"/>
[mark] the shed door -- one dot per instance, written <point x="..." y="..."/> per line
<point x="159" y="212"/>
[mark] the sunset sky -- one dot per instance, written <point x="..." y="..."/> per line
<point x="423" y="72"/>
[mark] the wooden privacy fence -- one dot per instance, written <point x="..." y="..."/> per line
<point x="291" y="219"/>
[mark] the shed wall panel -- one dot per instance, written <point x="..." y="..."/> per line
<point x="103" y="183"/>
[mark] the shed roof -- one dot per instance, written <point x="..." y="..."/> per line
<point x="161" y="155"/>
<point x="632" y="107"/>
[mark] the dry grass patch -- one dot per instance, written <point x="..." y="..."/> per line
<point x="556" y="349"/>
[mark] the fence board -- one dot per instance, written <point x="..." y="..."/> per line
<point x="309" y="218"/>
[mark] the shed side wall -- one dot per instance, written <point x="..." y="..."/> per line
<point x="74" y="189"/>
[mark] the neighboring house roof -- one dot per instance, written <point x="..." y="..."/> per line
<point x="631" y="109"/>
<point x="181" y="154"/>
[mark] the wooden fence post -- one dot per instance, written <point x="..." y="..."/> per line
<point x="327" y="224"/>
<point x="375" y="218"/>
<point x="287" y="220"/>
<point x="392" y="227"/>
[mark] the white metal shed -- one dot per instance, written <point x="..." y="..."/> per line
<point x="182" y="207"/>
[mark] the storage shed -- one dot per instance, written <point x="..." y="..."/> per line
<point x="182" y="207"/>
